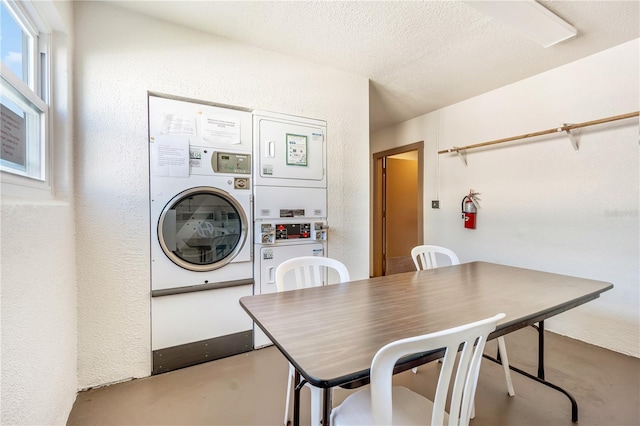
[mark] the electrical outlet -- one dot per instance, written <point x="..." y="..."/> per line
<point x="435" y="204"/>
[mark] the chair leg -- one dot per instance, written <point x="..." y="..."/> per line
<point x="502" y="347"/>
<point x="316" y="405"/>
<point x="316" y="401"/>
<point x="415" y="369"/>
<point x="288" y="406"/>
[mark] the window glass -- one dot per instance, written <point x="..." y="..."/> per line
<point x="24" y="84"/>
<point x="14" y="45"/>
<point x="20" y="122"/>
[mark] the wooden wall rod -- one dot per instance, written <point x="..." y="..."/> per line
<point x="564" y="128"/>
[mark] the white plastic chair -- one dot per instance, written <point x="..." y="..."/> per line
<point x="424" y="257"/>
<point x="384" y="404"/>
<point x="310" y="271"/>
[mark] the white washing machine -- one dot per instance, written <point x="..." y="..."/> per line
<point x="201" y="233"/>
<point x="201" y="228"/>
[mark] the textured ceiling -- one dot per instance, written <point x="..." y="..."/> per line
<point x="418" y="55"/>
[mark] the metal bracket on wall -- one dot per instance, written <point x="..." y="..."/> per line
<point x="462" y="154"/>
<point x="572" y="137"/>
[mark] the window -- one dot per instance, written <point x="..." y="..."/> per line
<point x="23" y="95"/>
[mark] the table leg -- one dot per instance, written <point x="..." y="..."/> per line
<point x="541" y="350"/>
<point x="296" y="399"/>
<point x="326" y="407"/>
<point x="540" y="377"/>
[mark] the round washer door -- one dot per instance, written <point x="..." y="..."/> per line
<point x="202" y="229"/>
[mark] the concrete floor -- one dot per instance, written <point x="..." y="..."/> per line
<point x="249" y="389"/>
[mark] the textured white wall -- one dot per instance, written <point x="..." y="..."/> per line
<point x="543" y="205"/>
<point x="37" y="258"/>
<point x="121" y="56"/>
<point x="38" y="313"/>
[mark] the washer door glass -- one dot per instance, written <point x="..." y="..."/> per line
<point x="202" y="229"/>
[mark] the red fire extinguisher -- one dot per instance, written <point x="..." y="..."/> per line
<point x="470" y="209"/>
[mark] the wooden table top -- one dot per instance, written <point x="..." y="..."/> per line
<point x="331" y="333"/>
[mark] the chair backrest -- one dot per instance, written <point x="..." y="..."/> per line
<point x="309" y="271"/>
<point x="464" y="383"/>
<point x="424" y="256"/>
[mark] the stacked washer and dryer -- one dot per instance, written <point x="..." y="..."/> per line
<point x="218" y="173"/>
<point x="290" y="187"/>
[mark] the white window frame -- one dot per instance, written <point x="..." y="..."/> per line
<point x="36" y="90"/>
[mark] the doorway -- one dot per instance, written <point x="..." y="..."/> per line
<point x="397" y="208"/>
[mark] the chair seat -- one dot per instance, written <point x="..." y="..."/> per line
<point x="409" y="408"/>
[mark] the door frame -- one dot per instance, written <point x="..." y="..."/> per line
<point x="379" y="197"/>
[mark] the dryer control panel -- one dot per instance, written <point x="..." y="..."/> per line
<point x="227" y="162"/>
<point x="289" y="231"/>
<point x="280" y="232"/>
